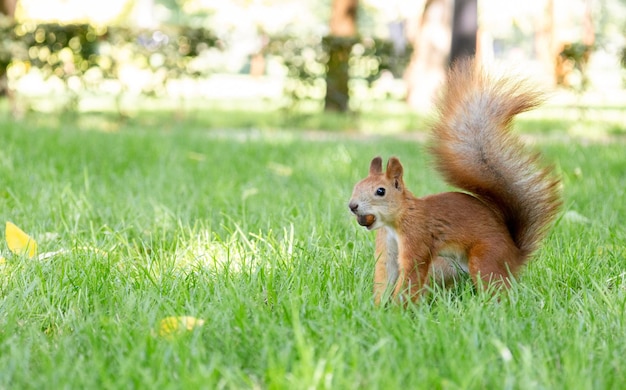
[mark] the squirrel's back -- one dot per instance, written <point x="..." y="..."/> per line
<point x="474" y="150"/>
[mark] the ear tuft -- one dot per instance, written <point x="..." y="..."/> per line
<point x="376" y="166"/>
<point x="394" y="169"/>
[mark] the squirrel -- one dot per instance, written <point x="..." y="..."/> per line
<point x="492" y="228"/>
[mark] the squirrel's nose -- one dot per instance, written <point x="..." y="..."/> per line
<point x="354" y="206"/>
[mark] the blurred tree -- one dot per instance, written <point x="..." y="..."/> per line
<point x="7" y="10"/>
<point x="464" y="29"/>
<point x="343" y="18"/>
<point x="571" y="57"/>
<point x="7" y="7"/>
<point x="343" y="34"/>
<point x="431" y="37"/>
<point x="545" y="44"/>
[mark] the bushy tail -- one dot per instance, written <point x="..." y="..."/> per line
<point x="474" y="150"/>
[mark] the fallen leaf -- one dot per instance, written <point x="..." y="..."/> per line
<point x="47" y="255"/>
<point x="173" y="325"/>
<point x="196" y="156"/>
<point x="249" y="192"/>
<point x="19" y="242"/>
<point x="280" y="169"/>
<point x="576" y="217"/>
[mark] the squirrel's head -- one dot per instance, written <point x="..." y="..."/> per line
<point x="376" y="200"/>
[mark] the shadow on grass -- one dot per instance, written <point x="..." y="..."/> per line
<point x="166" y="119"/>
<point x="595" y="123"/>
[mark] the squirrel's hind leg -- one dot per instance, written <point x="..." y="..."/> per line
<point x="490" y="266"/>
<point x="443" y="272"/>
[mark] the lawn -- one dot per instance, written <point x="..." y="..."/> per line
<point x="249" y="232"/>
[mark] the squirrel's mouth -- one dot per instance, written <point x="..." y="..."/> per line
<point x="366" y="220"/>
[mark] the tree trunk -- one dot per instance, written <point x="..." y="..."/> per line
<point x="431" y="48"/>
<point x="7" y="7"/>
<point x="589" y="33"/>
<point x="546" y="48"/>
<point x="464" y="30"/>
<point x="343" y="18"/>
<point x="339" y="43"/>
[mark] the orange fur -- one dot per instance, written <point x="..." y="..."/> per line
<point x="490" y="231"/>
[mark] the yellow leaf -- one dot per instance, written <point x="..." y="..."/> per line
<point x="19" y="242"/>
<point x="171" y="325"/>
<point x="196" y="156"/>
<point x="94" y="250"/>
<point x="47" y="255"/>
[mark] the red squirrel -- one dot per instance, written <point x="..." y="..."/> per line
<point x="492" y="228"/>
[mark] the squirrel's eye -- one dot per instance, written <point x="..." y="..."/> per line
<point x="380" y="192"/>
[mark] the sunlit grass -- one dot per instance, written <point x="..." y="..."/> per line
<point x="248" y="231"/>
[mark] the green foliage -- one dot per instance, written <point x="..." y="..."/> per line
<point x="250" y="232"/>
<point x="574" y="59"/>
<point x="371" y="56"/>
<point x="167" y="53"/>
<point x="307" y="61"/>
<point x="622" y="61"/>
<point x="8" y="46"/>
<point x="82" y="55"/>
<point x="48" y="44"/>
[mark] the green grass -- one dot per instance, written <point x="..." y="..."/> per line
<point x="249" y="231"/>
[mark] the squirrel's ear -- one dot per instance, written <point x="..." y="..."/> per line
<point x="376" y="166"/>
<point x="394" y="169"/>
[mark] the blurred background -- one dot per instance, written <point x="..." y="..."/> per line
<point x="297" y="57"/>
